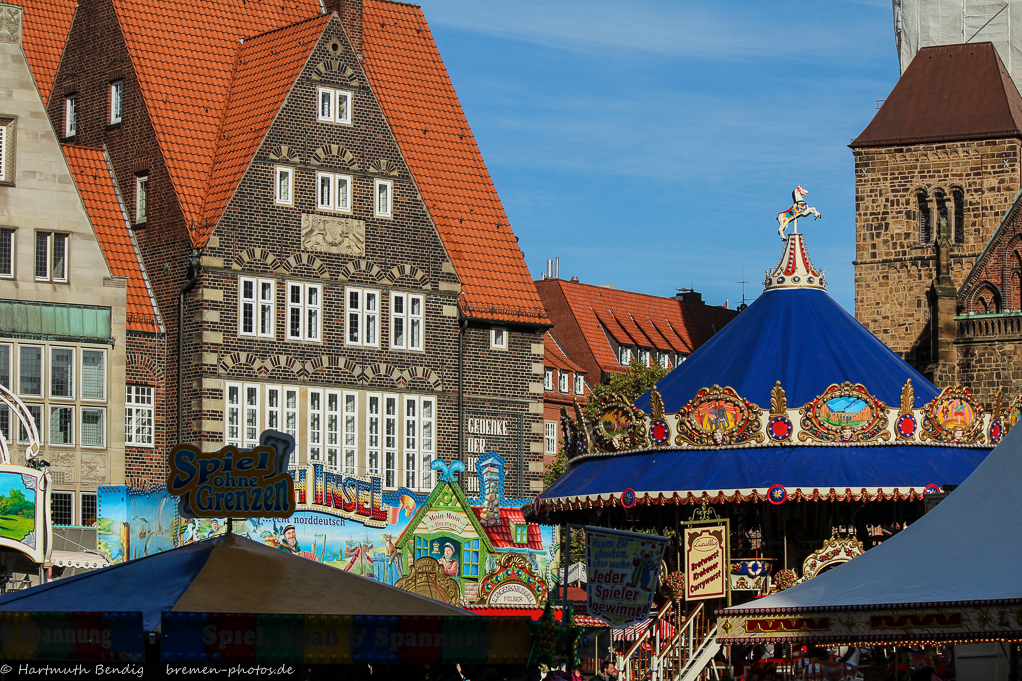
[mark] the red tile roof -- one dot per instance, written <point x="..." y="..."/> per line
<point x="948" y="93"/>
<point x="95" y="183"/>
<point x="411" y="82"/>
<point x="502" y="536"/>
<point x="184" y="54"/>
<point x="553" y="356"/>
<point x="633" y="319"/>
<point x="266" y="67"/>
<point x="44" y="31"/>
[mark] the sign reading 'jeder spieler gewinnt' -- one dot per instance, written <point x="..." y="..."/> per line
<point x="623" y="570"/>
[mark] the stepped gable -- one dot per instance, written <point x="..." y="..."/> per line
<point x="411" y="82"/>
<point x="266" y="68"/>
<point x="95" y="182"/>
<point x="45" y="25"/>
<point x="948" y="93"/>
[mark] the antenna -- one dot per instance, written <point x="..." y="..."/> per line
<point x="743" y="282"/>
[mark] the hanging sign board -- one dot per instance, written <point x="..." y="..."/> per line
<point x="706" y="562"/>
<point x="99" y="636"/>
<point x="623" y="569"/>
<point x="232" y="482"/>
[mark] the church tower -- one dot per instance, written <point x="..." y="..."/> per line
<point x="944" y="147"/>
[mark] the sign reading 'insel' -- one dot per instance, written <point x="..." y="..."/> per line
<point x="234" y="482"/>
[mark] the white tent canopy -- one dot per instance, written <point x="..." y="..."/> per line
<point x="955" y="570"/>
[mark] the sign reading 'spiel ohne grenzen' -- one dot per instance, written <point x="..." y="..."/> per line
<point x="623" y="570"/>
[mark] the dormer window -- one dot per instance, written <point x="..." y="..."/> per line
<point x="580" y="385"/>
<point x="548" y="380"/>
<point x="644" y="357"/>
<point x="562" y="381"/>
<point x="334" y="106"/>
<point x="625" y="356"/>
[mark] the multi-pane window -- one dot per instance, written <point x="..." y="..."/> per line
<point x="548" y="379"/>
<point x="5" y="381"/>
<point x="138" y="416"/>
<point x="363" y="317"/>
<point x="498" y="338"/>
<point x="421" y="548"/>
<point x="62" y="371"/>
<point x="390" y="443"/>
<point x="384" y="199"/>
<point x="521" y="534"/>
<point x="257" y="307"/>
<point x="93" y="375"/>
<point x="332" y="420"/>
<point x="242" y="406"/>
<point x="70" y="115"/>
<point x="61" y="507"/>
<point x="625" y="355"/>
<point x="282" y="409"/>
<point x="284" y="181"/>
<point x="550" y="437"/>
<point x="644" y="357"/>
<point x="334" y="106"/>
<point x="35" y="411"/>
<point x="411" y="443"/>
<point x="304" y="311"/>
<point x="333" y="192"/>
<point x="62" y="421"/>
<point x="6" y="252"/>
<point x="141" y="198"/>
<point x="50" y="256"/>
<point x="93" y="428"/>
<point x="116" y="100"/>
<point x="373" y="439"/>
<point x="562" y="381"/>
<point x="30" y="371"/>
<point x="427" y="441"/>
<point x="665" y="360"/>
<point x="315" y="451"/>
<point x="470" y="558"/>
<point x="350" y="432"/>
<point x="580" y="385"/>
<point x="406" y="321"/>
<point x="88" y="509"/>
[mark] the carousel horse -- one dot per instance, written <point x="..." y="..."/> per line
<point x="798" y="209"/>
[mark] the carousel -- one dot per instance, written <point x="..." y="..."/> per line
<point x="794" y="429"/>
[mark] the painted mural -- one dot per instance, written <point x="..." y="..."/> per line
<point x="400" y="538"/>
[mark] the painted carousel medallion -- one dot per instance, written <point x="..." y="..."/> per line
<point x="844" y="413"/>
<point x="953" y="417"/>
<point x="620" y="426"/>
<point x="718" y="416"/>
<point x="1014" y="414"/>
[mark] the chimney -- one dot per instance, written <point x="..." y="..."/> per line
<point x="557" y="267"/>
<point x="350" y="12"/>
<point x="690" y="296"/>
<point x="549" y="268"/>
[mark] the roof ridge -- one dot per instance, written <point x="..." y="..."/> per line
<point x="220" y="130"/>
<point x="287" y="26"/>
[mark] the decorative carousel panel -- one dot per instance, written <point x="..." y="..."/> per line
<point x="719" y="416"/>
<point x="621" y="426"/>
<point x="1014" y="414"/>
<point x="953" y="417"/>
<point x="844" y="413"/>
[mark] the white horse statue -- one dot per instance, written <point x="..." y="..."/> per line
<point x="798" y="209"/>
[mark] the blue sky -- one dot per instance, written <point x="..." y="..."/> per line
<point x="652" y="143"/>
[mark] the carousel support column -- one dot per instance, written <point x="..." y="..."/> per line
<point x="565" y="548"/>
<point x="230" y="526"/>
<point x="1012" y="661"/>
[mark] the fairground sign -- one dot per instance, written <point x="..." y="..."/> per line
<point x="623" y="570"/>
<point x="232" y="482"/>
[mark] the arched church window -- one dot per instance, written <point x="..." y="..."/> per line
<point x="923" y="212"/>
<point x="958" y="197"/>
<point x="942" y="213"/>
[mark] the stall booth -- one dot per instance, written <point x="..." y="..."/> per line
<point x="948" y="580"/>
<point x="791" y="442"/>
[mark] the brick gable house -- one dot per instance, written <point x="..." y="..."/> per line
<point x="322" y="237"/>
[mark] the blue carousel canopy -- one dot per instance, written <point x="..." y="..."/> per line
<point x="794" y="399"/>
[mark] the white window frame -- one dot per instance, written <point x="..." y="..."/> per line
<point x="314" y="420"/>
<point x="333" y="418"/>
<point x="70" y="114"/>
<point x="279" y="197"/>
<point x="74" y="377"/>
<point x="339" y="187"/>
<point x="413" y="325"/>
<point x="81" y="426"/>
<point x="10" y="366"/>
<point x="427" y="442"/>
<point x="335" y="97"/>
<point x="39" y="424"/>
<point x="410" y="441"/>
<point x="262" y="308"/>
<point x="82" y="496"/>
<point x="50" y="241"/>
<point x="141" y="198"/>
<point x="246" y="410"/>
<point x="550" y="437"/>
<point x="362" y="317"/>
<point x="625" y="355"/>
<point x="310" y="315"/>
<point x="139" y="415"/>
<point x="548" y="379"/>
<point x="391" y="436"/>
<point x="81" y="375"/>
<point x="67" y="495"/>
<point x="374" y="433"/>
<point x="665" y="360"/>
<point x="349" y="433"/>
<point x="280" y="416"/>
<point x="8" y="241"/>
<point x="388" y="205"/>
<point x="42" y="370"/>
<point x="562" y="381"/>
<point x="498" y="338"/>
<point x="49" y="422"/>
<point x="580" y="384"/>
<point x="644" y="357"/>
<point x="116" y="101"/>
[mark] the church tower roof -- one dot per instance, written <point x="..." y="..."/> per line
<point x="948" y="93"/>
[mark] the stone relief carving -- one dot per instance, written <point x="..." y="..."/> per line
<point x="93" y="469"/>
<point x="10" y="24"/>
<point x="327" y="234"/>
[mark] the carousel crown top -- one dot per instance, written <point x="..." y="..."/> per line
<point x="792" y="373"/>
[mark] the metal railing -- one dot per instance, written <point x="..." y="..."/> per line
<point x="655" y="656"/>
